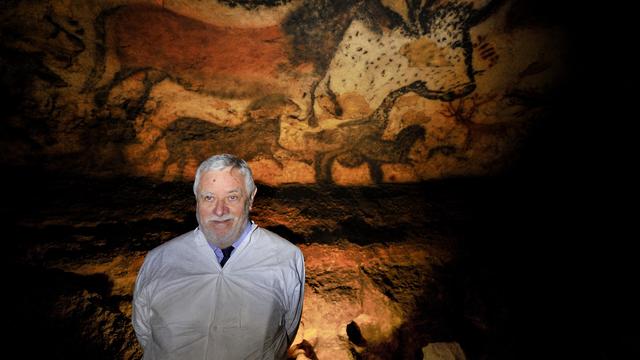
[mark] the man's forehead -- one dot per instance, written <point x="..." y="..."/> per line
<point x="229" y="178"/>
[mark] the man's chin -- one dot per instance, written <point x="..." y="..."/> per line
<point x="220" y="241"/>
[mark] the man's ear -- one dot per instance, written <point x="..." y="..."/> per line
<point x="253" y="196"/>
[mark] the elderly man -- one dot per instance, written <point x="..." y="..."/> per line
<point x="226" y="290"/>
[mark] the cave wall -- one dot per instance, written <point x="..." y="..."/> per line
<point x="355" y="116"/>
<point x="346" y="92"/>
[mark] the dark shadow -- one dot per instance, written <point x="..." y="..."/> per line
<point x="52" y="307"/>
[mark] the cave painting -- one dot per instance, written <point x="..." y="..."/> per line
<point x="329" y="71"/>
<point x="353" y="143"/>
<point x="222" y="62"/>
<point x="191" y="137"/>
<point x="430" y="52"/>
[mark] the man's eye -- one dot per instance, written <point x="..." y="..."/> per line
<point x="208" y="197"/>
<point x="233" y="197"/>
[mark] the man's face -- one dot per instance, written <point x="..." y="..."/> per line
<point x="223" y="206"/>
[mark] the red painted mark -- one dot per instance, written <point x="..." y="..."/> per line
<point x="201" y="54"/>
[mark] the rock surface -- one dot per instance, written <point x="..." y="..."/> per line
<point x="384" y="135"/>
<point x="379" y="263"/>
<point x="309" y="91"/>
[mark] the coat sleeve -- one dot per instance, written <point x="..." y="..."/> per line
<point x="295" y="296"/>
<point x="141" y="311"/>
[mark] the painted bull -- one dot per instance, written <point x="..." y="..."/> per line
<point x="430" y="49"/>
<point x="220" y="61"/>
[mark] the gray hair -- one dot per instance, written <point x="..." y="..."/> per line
<point x="223" y="161"/>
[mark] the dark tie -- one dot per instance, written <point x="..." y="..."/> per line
<point x="227" y="253"/>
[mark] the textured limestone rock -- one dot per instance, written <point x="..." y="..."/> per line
<point x="357" y="298"/>
<point x="309" y="91"/>
<point x="443" y="351"/>
<point x="375" y="261"/>
<point x="120" y="100"/>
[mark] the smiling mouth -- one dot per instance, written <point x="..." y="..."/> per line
<point x="219" y="223"/>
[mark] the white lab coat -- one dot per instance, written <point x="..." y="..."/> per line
<point x="185" y="306"/>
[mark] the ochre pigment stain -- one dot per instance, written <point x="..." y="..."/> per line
<point x="198" y="55"/>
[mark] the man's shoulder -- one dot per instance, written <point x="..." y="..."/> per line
<point x="274" y="240"/>
<point x="181" y="241"/>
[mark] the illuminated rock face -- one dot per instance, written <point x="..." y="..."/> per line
<point x="350" y="92"/>
<point x="376" y="286"/>
<point x="345" y="111"/>
<point x="360" y="298"/>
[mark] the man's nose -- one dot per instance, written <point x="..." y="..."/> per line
<point x="220" y="208"/>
